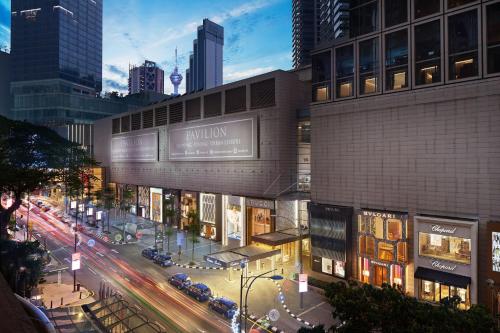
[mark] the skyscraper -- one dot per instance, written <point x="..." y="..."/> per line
<point x="205" y="67"/>
<point x="147" y="77"/>
<point x="176" y="77"/>
<point x="303" y="30"/>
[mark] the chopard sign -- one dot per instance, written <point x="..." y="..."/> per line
<point x="379" y="214"/>
<point x="443" y="230"/>
<point x="444" y="267"/>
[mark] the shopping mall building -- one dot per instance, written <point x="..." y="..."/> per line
<point x="399" y="148"/>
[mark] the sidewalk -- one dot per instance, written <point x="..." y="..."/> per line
<point x="62" y="295"/>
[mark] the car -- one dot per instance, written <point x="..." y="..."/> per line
<point x="163" y="260"/>
<point x="180" y="280"/>
<point x="45" y="208"/>
<point x="223" y="306"/>
<point x="149" y="253"/>
<point x="199" y="291"/>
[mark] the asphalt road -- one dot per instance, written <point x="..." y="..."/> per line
<point x="141" y="282"/>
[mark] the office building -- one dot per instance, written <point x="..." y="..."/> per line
<point x="5" y="98"/>
<point x="205" y="65"/>
<point x="303" y="31"/>
<point x="147" y="77"/>
<point x="405" y="120"/>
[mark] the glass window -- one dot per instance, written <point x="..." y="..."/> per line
<point x="402" y="252"/>
<point x="397" y="275"/>
<point x="396" y="60"/>
<point x="395" y="12"/>
<point x="493" y="37"/>
<point x="364" y="270"/>
<point x="385" y="251"/>
<point x="321" y="76"/>
<point x="463" y="45"/>
<point x="362" y="245"/>
<point x="394" y="229"/>
<point x="426" y="7"/>
<point x="344" y="71"/>
<point x="370" y="247"/>
<point x="378" y="227"/>
<point x="427" y="291"/>
<point x="457" y="3"/>
<point x="369" y="66"/>
<point x="428" y="53"/>
<point x="449" y="248"/>
<point x="363" y="18"/>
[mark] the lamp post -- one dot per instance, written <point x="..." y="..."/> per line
<point x="243" y="284"/>
<point x="301" y="265"/>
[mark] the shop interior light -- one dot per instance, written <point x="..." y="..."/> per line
<point x="398" y="281"/>
<point x="464" y="62"/>
<point x="366" y="272"/>
<point x="427" y="69"/>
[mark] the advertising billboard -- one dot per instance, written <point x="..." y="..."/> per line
<point x="227" y="140"/>
<point x="156" y="204"/>
<point x="135" y="148"/>
<point x="75" y="261"/>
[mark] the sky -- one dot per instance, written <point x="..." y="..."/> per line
<point x="257" y="36"/>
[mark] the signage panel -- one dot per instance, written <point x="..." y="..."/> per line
<point x="302" y="283"/>
<point x="135" y="148"/>
<point x="495" y="244"/>
<point x="75" y="261"/>
<point x="228" y="140"/>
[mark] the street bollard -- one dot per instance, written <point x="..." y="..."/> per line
<point x="61" y="301"/>
<point x="80" y="295"/>
<point x="51" y="304"/>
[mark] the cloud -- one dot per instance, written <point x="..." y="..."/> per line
<point x="116" y="70"/>
<point x="114" y="85"/>
<point x="231" y="76"/>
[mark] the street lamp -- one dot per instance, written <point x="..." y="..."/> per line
<point x="252" y="280"/>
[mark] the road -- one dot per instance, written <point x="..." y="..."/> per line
<point x="142" y="285"/>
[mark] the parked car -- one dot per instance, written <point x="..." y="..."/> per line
<point x="163" y="260"/>
<point x="149" y="253"/>
<point x="180" y="280"/>
<point x="223" y="306"/>
<point x="199" y="291"/>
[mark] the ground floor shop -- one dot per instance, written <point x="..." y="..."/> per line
<point x="188" y="204"/>
<point x="445" y="259"/>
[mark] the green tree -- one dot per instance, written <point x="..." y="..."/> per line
<point x="106" y="200"/>
<point x="168" y="214"/>
<point x="33" y="156"/>
<point x="125" y="205"/>
<point x="194" y="230"/>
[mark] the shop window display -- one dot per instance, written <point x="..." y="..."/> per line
<point x="385" y="251"/>
<point x="234" y="221"/>
<point x="449" y="248"/>
<point x="188" y="204"/>
<point x="260" y="220"/>
<point x="436" y="292"/>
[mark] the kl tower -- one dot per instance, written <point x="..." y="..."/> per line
<point x="176" y="77"/>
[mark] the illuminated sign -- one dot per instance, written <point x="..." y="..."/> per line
<point x="495" y="244"/>
<point x="75" y="261"/>
<point x="302" y="283"/>
<point x="443" y="266"/>
<point x="73" y="205"/>
<point x="443" y="229"/>
<point x="135" y="148"/>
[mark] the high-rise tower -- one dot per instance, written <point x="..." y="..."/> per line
<point x="176" y="77"/>
<point x="147" y="77"/>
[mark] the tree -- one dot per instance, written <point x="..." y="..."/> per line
<point x="168" y="214"/>
<point x="364" y="308"/>
<point x="194" y="229"/>
<point x="125" y="205"/>
<point x="32" y="156"/>
<point x="105" y="200"/>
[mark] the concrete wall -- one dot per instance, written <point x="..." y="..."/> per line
<point x="434" y="151"/>
<point x="273" y="172"/>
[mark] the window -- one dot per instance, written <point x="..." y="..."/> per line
<point x="367" y="246"/>
<point x="378" y="227"/>
<point x="463" y="45"/>
<point x="394" y="229"/>
<point x="395" y="12"/>
<point x="363" y="17"/>
<point x="262" y="94"/>
<point x="426" y="7"/>
<point x="402" y="254"/>
<point x="493" y="38"/>
<point x="385" y="251"/>
<point x="236" y="99"/>
<point x="364" y="270"/>
<point x="369" y="66"/>
<point x="449" y="248"/>
<point x="396" y="60"/>
<point x="212" y="105"/>
<point x="428" y="53"/>
<point x="458" y="3"/>
<point x="344" y="71"/>
<point x="321" y="76"/>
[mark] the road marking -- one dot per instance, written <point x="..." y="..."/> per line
<point x="138" y="307"/>
<point x="161" y="326"/>
<point x="113" y="250"/>
<point x="90" y="269"/>
<point x="100" y="254"/>
<point x="310" y="309"/>
<point x="66" y="259"/>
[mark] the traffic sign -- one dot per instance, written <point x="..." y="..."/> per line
<point x="91" y="242"/>
<point x="118" y="237"/>
<point x="273" y="315"/>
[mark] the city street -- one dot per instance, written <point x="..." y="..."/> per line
<point x="145" y="284"/>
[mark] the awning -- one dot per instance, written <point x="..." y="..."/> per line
<point x="280" y="237"/>
<point x="234" y="257"/>
<point x="442" y="277"/>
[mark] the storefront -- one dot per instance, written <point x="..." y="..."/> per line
<point x="491" y="293"/>
<point x="382" y="248"/>
<point x="172" y="202"/>
<point x="156" y="206"/>
<point x="189" y="203"/>
<point x="232" y="220"/>
<point x="260" y="217"/>
<point x="143" y="201"/>
<point x="445" y="259"/>
<point x="330" y="231"/>
<point x="210" y="216"/>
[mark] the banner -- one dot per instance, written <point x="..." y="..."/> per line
<point x="135" y="148"/>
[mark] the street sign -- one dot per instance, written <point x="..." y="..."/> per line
<point x="118" y="237"/>
<point x="302" y="283"/>
<point x="129" y="238"/>
<point x="91" y="242"/>
<point x="73" y="205"/>
<point x="75" y="261"/>
<point x="273" y="315"/>
<point x="81" y="208"/>
<point x="98" y="215"/>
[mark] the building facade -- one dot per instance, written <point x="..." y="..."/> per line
<point x="404" y="119"/>
<point x="303" y="31"/>
<point x="228" y="153"/>
<point x="147" y="77"/>
<point x="205" y="64"/>
<point x="5" y="98"/>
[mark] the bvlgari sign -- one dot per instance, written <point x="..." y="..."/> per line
<point x="228" y="140"/>
<point x="137" y="148"/>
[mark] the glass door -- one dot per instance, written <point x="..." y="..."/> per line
<point x="380" y="275"/>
